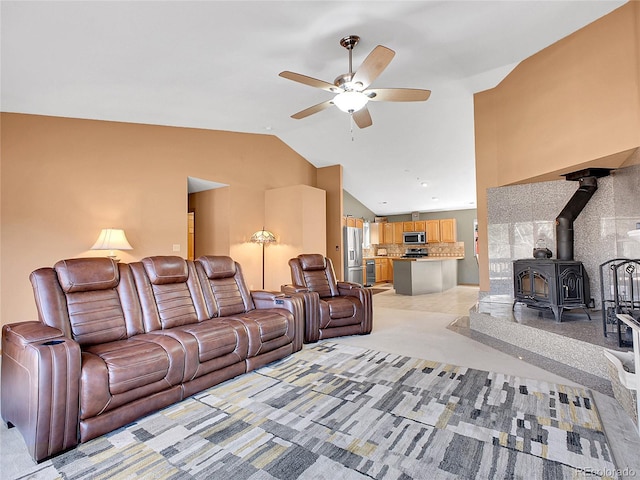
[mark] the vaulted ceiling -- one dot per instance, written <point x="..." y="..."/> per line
<point x="215" y="65"/>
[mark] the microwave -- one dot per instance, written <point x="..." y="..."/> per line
<point x="414" y="238"/>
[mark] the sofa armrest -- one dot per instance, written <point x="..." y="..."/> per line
<point x="40" y="385"/>
<point x="349" y="288"/>
<point x="311" y="301"/>
<point x="366" y="298"/>
<point x="293" y="303"/>
<point x="290" y="289"/>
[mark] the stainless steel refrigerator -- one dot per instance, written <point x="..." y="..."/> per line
<point x="352" y="254"/>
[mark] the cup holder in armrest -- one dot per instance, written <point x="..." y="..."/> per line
<point x="50" y="343"/>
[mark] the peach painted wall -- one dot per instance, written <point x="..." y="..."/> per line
<point x="572" y="105"/>
<point x="212" y="221"/>
<point x="330" y="180"/>
<point x="64" y="179"/>
<point x="297" y="217"/>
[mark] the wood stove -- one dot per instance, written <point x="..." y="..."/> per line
<point x="551" y="284"/>
<point x="562" y="283"/>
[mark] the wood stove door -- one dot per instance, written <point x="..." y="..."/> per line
<point x="532" y="285"/>
<point x="571" y="283"/>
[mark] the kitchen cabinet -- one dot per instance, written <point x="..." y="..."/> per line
<point x="441" y="231"/>
<point x="392" y="233"/>
<point x="387" y="233"/>
<point x="417" y="226"/>
<point x="433" y="231"/>
<point x="448" y="230"/>
<point x="397" y="232"/>
<point x="383" y="270"/>
<point x="353" y="222"/>
<point x="374" y="233"/>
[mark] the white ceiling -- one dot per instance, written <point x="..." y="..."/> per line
<point x="215" y="65"/>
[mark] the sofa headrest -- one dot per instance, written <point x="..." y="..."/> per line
<point x="166" y="269"/>
<point x="217" y="266"/>
<point x="86" y="274"/>
<point x="312" y="261"/>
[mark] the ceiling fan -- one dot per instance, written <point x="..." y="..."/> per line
<point x="351" y="89"/>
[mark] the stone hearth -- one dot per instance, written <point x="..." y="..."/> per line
<point x="571" y="348"/>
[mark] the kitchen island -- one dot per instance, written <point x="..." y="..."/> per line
<point x="415" y="276"/>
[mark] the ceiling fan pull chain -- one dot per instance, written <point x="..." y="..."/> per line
<point x="351" y="124"/>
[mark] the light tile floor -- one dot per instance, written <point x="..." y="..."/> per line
<point x="431" y="326"/>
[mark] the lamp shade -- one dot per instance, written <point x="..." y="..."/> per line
<point x="350" y="102"/>
<point x="263" y="236"/>
<point x="112" y="239"/>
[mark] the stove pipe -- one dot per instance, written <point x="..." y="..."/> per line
<point x="564" y="221"/>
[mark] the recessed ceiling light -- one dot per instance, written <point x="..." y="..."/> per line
<point x="435" y="199"/>
<point x="424" y="184"/>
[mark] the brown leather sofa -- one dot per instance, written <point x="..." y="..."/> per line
<point x="117" y="341"/>
<point x="332" y="308"/>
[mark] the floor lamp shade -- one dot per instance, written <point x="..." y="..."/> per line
<point x="263" y="237"/>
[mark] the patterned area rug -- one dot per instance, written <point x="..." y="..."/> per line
<point x="340" y="412"/>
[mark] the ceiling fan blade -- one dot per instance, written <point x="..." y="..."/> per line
<point x="373" y="66"/>
<point x="311" y="110"/>
<point x="397" y="94"/>
<point x="312" y="82"/>
<point x="362" y="117"/>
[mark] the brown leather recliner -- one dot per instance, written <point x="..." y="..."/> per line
<point x="117" y="341"/>
<point x="332" y="308"/>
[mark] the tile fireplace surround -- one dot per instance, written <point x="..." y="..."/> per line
<point x="518" y="217"/>
<point x="521" y="215"/>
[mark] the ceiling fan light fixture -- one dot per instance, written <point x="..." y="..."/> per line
<point x="350" y="102"/>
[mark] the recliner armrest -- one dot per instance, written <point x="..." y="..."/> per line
<point x="293" y="303"/>
<point x="40" y="386"/>
<point x="349" y="288"/>
<point x="290" y="289"/>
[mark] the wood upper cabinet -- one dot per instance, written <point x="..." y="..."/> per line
<point x="448" y="230"/>
<point x="417" y="226"/>
<point x="433" y="231"/>
<point x="442" y="231"/>
<point x="397" y="232"/>
<point x="352" y="222"/>
<point x="387" y="236"/>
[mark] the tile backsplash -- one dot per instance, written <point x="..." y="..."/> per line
<point x="455" y="249"/>
<point x="520" y="216"/>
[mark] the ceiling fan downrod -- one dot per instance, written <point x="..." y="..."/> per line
<point x="349" y="42"/>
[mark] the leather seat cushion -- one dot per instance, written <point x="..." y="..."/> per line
<point x="342" y="307"/>
<point x="132" y="364"/>
<point x="268" y="329"/>
<point x="214" y="338"/>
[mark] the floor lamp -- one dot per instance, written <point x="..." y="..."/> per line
<point x="263" y="237"/>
